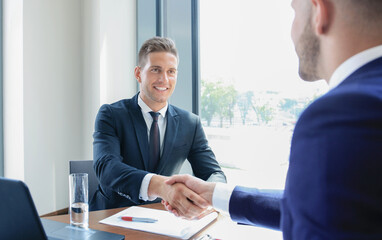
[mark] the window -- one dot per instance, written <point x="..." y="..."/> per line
<point x="1" y="92"/>
<point x="251" y="94"/>
<point x="176" y="19"/>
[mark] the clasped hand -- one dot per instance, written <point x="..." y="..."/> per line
<point x="186" y="196"/>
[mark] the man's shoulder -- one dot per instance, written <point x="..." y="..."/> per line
<point x="352" y="94"/>
<point x="350" y="103"/>
<point x="116" y="110"/>
<point x="121" y="105"/>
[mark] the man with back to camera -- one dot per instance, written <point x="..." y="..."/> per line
<point x="140" y="141"/>
<point x="334" y="183"/>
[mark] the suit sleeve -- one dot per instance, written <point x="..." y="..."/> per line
<point x="256" y="207"/>
<point x="109" y="168"/>
<point x="334" y="183"/>
<point x="202" y="159"/>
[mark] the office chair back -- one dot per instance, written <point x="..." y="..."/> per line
<point x="85" y="166"/>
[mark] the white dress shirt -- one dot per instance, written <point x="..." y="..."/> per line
<point x="222" y="192"/>
<point x="162" y="123"/>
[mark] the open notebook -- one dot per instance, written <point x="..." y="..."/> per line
<point x="167" y="223"/>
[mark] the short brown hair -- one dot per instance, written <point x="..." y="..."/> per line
<point x="156" y="44"/>
<point x="364" y="13"/>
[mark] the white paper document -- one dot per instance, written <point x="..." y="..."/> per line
<point x="167" y="223"/>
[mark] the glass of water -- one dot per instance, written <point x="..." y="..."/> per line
<point x="78" y="199"/>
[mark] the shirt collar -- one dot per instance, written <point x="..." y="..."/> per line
<point x="354" y="63"/>
<point x="147" y="109"/>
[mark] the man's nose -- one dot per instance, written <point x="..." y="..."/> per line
<point x="164" y="77"/>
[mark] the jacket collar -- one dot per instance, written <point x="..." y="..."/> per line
<point x="141" y="133"/>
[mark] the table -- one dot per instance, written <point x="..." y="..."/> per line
<point x="221" y="228"/>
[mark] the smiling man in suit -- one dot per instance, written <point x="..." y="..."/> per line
<point x="140" y="141"/>
<point x="334" y="182"/>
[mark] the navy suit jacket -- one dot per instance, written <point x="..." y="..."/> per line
<point x="334" y="182"/>
<point x="121" y="152"/>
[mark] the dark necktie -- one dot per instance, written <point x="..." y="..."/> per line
<point x="154" y="142"/>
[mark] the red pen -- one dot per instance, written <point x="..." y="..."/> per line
<point x="137" y="219"/>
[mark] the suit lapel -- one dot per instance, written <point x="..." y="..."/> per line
<point x="169" y="138"/>
<point x="140" y="129"/>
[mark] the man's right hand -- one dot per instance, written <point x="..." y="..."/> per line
<point x="186" y="202"/>
<point x="204" y="189"/>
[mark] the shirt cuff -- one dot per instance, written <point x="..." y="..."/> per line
<point x="221" y="196"/>
<point x="143" y="192"/>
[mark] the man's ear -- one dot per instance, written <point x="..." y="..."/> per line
<point x="137" y="74"/>
<point x="321" y="16"/>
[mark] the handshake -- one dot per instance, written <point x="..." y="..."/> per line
<point x="183" y="195"/>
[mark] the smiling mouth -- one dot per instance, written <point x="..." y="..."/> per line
<point x="161" y="88"/>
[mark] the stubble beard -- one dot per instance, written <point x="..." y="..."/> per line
<point x="308" y="51"/>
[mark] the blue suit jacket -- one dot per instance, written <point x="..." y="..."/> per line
<point x="334" y="182"/>
<point x="121" y="152"/>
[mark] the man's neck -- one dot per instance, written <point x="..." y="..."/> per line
<point x="154" y="106"/>
<point x="338" y="48"/>
<point x="353" y="63"/>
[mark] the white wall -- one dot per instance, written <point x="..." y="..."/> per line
<point x="109" y="46"/>
<point x="13" y="88"/>
<point x="52" y="85"/>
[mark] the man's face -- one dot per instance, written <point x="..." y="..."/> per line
<point x="307" y="44"/>
<point x="157" y="79"/>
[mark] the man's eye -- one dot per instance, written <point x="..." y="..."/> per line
<point x="155" y="70"/>
<point x="172" y="72"/>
